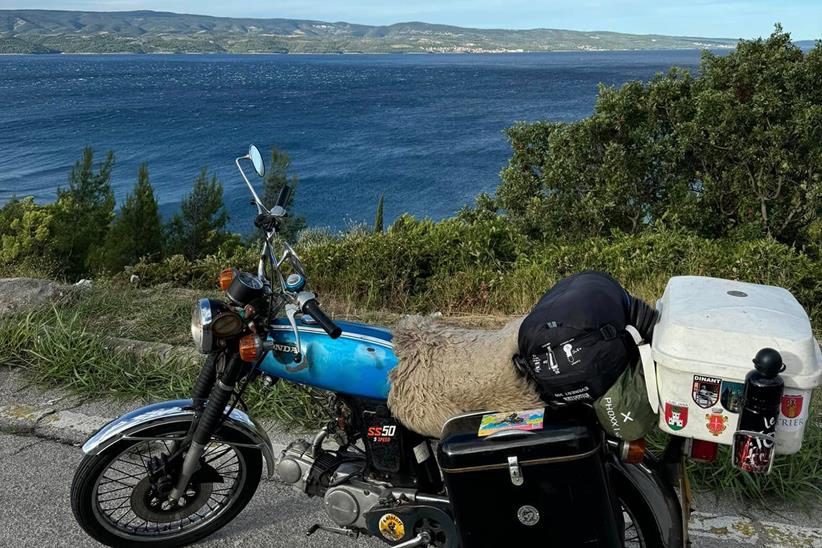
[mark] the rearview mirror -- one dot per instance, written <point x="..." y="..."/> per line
<point x="257" y="160"/>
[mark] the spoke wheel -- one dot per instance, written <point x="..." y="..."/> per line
<point x="116" y="502"/>
<point x="632" y="534"/>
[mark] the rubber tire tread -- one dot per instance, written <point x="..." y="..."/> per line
<point x="93" y="465"/>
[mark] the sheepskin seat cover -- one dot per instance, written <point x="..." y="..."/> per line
<point x="444" y="371"/>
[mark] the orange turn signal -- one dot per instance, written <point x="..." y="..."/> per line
<point x="226" y="277"/>
<point x="250" y="348"/>
<point x="633" y="451"/>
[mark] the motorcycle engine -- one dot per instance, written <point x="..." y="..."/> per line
<point x="345" y="498"/>
<point x="390" y="513"/>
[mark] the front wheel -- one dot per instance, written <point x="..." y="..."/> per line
<point x="116" y="502"/>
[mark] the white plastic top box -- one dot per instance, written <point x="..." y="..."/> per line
<point x="716" y="327"/>
<point x="707" y="336"/>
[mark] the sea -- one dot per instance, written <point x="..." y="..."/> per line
<point x="425" y="130"/>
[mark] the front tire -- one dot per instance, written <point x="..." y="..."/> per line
<point x="113" y="502"/>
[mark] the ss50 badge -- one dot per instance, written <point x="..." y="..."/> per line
<point x="382" y="434"/>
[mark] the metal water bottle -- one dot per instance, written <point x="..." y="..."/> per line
<point x="754" y="441"/>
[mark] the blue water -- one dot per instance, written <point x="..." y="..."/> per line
<point x="425" y="129"/>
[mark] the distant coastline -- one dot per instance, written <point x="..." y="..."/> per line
<point x="334" y="54"/>
<point x="149" y="32"/>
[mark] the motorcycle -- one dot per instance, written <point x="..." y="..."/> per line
<point x="175" y="472"/>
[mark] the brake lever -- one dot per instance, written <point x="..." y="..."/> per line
<point x="290" y="312"/>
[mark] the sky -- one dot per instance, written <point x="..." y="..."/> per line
<point x="708" y="18"/>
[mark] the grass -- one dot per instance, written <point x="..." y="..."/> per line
<point x="793" y="476"/>
<point x="67" y="345"/>
<point x="60" y="347"/>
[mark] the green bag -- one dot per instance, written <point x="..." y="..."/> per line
<point x="624" y="411"/>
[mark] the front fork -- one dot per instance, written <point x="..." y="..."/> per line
<point x="210" y="415"/>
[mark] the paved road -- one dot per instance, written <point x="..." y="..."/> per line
<point x="35" y="475"/>
<point x="37" y="465"/>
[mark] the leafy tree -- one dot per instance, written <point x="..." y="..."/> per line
<point x="25" y="231"/>
<point x="736" y="150"/>
<point x="275" y="179"/>
<point x="83" y="212"/>
<point x="757" y="136"/>
<point x="199" y="229"/>
<point x="136" y="231"/>
<point x="378" y="219"/>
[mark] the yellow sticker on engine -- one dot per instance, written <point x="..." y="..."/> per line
<point x="392" y="527"/>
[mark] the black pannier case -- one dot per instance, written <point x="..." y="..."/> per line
<point x="538" y="488"/>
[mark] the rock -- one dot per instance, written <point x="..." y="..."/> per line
<point x="162" y="350"/>
<point x="22" y="293"/>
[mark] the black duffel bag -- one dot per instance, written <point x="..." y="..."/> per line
<point x="573" y="345"/>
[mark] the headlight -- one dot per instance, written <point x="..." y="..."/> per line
<point x="213" y="320"/>
<point x="201" y="320"/>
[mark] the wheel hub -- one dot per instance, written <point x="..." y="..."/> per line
<point x="153" y="507"/>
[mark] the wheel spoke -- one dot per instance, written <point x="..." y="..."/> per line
<point x="124" y="497"/>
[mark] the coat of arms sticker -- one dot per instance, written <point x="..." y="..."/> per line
<point x="717" y="422"/>
<point x="676" y="415"/>
<point x="705" y="392"/>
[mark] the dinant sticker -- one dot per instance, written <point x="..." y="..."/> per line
<point x="705" y="391"/>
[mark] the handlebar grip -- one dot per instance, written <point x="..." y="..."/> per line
<point x="312" y="307"/>
<point x="282" y="197"/>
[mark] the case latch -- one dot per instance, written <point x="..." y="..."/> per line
<point x="515" y="471"/>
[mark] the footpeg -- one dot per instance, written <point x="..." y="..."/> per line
<point x="350" y="533"/>
<point x="423" y="539"/>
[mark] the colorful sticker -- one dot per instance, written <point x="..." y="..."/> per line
<point x="705" y="392"/>
<point x="791" y="405"/>
<point x="392" y="527"/>
<point x="676" y="415"/>
<point x="753" y="453"/>
<point x="731" y="397"/>
<point x="717" y="422"/>
<point x="518" y="420"/>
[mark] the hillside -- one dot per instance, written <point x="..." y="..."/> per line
<point x="46" y="31"/>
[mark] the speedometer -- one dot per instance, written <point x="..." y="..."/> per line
<point x="245" y="288"/>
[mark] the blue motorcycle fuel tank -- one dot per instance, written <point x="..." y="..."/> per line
<point x="356" y="363"/>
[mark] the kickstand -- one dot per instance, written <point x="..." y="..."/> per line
<point x="350" y="533"/>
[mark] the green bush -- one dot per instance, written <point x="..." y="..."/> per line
<point x="488" y="267"/>
<point x="733" y="152"/>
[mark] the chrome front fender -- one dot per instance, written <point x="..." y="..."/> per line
<point x="133" y="423"/>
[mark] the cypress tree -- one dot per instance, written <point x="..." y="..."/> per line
<point x="199" y="228"/>
<point x="275" y="179"/>
<point x="378" y="220"/>
<point x="136" y="231"/>
<point x="83" y="213"/>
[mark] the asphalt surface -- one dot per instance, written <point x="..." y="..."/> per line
<point x="36" y="474"/>
<point x="41" y="431"/>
